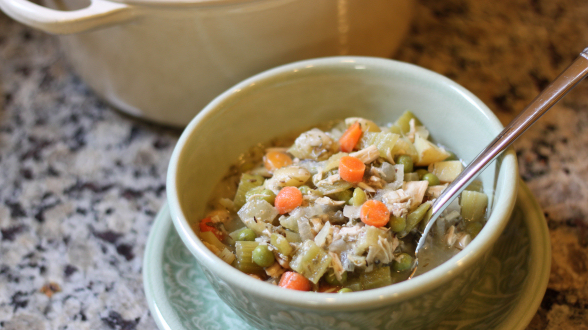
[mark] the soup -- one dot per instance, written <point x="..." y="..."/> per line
<point x="339" y="208"/>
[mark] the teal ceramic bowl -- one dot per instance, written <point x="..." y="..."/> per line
<point x="302" y="94"/>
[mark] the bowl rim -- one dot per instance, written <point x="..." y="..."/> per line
<point x="319" y="301"/>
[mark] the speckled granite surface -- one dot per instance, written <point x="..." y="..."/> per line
<point x="81" y="183"/>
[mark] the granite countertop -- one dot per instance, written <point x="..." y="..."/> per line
<point x="80" y="183"/>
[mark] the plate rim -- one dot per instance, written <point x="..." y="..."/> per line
<point x="519" y="316"/>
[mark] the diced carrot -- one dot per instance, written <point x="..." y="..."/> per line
<point x="288" y="199"/>
<point x="350" y="138"/>
<point x="374" y="213"/>
<point x="275" y="159"/>
<point x="206" y="225"/>
<point x="294" y="281"/>
<point x="351" y="169"/>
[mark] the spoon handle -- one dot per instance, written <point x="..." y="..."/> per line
<point x="567" y="80"/>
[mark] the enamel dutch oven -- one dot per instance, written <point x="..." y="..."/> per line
<point x="164" y="60"/>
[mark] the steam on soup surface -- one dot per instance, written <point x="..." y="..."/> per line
<point x="339" y="209"/>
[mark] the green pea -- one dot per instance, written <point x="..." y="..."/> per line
<point x="421" y="172"/>
<point x="473" y="228"/>
<point x="359" y="197"/>
<point x="432" y="178"/>
<point x="261" y="193"/>
<point x="402" y="263"/>
<point x="345" y="290"/>
<point x="246" y="235"/>
<point x="406" y="161"/>
<point x="262" y="256"/>
<point x="331" y="278"/>
<point x="305" y="190"/>
<point x="397" y="224"/>
<point x="344" y="195"/>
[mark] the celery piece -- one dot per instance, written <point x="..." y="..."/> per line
<point x="281" y="243"/>
<point x="244" y="252"/>
<point x="247" y="182"/>
<point x="289" y="222"/>
<point x="333" y="161"/>
<point x="473" y="205"/>
<point x="476" y="185"/>
<point x="256" y="225"/>
<point x="377" y="278"/>
<point x="384" y="142"/>
<point x="336" y="187"/>
<point x="473" y="228"/>
<point x="414" y="217"/>
<point x="311" y="261"/>
<point x="446" y="171"/>
<point x="368" y="237"/>
<point x="427" y="152"/>
<point x="210" y="238"/>
<point x="395" y="129"/>
<point x="403" y="122"/>
<point x="293" y="237"/>
<point x="259" y="210"/>
<point x="413" y="176"/>
<point x="261" y="193"/>
<point x="403" y="146"/>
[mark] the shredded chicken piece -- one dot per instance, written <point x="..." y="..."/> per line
<point x="275" y="270"/>
<point x="314" y="144"/>
<point x="416" y="190"/>
<point x="450" y="237"/>
<point x="412" y="131"/>
<point x="327" y="201"/>
<point x="366" y="187"/>
<point x="397" y="201"/>
<point x="435" y="191"/>
<point x="283" y="261"/>
<point x="463" y="241"/>
<point x="366" y="155"/>
<point x="317" y="224"/>
<point x="337" y="266"/>
<point x="330" y="179"/>
<point x="376" y="182"/>
<point x="452" y="215"/>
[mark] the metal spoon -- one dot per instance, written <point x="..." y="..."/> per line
<point x="567" y="80"/>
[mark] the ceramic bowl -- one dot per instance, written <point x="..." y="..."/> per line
<point x="298" y="96"/>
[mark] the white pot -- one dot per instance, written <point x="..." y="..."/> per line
<point x="164" y="60"/>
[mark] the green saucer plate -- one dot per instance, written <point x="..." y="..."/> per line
<point x="507" y="297"/>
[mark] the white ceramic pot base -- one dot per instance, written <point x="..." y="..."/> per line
<point x="508" y="296"/>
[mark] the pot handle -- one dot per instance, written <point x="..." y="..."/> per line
<point x="100" y="13"/>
